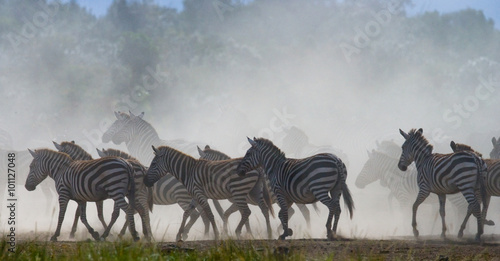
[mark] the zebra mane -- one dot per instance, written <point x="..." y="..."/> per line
<point x="269" y="144"/>
<point x="53" y="153"/>
<point x="76" y="147"/>
<point x="169" y="150"/>
<point x="118" y="153"/>
<point x="418" y="135"/>
<point x="215" y="152"/>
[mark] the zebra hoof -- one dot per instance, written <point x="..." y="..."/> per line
<point x="460" y="233"/>
<point x="415" y="233"/>
<point x="72" y="235"/>
<point x="289" y="232"/>
<point x="136" y="239"/>
<point x="282" y="237"/>
<point x="489" y="222"/>
<point x="53" y="239"/>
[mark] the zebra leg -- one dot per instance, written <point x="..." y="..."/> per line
<point x="202" y="201"/>
<point x="442" y="203"/>
<point x="306" y="213"/>
<point x="245" y="213"/>
<point x="283" y="215"/>
<point x="187" y="213"/>
<point x="75" y="223"/>
<point x="422" y="195"/>
<point x="114" y="216"/>
<point x="143" y="212"/>
<point x="130" y="217"/>
<point x="100" y="206"/>
<point x="486" y="203"/>
<point x="331" y="204"/>
<point x="265" y="211"/>
<point x="63" y="204"/>
<point x="291" y="211"/>
<point x="233" y="208"/>
<point x="475" y="209"/>
<point x="124" y="229"/>
<point x="82" y="205"/>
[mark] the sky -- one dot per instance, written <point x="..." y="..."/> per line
<point x="490" y="8"/>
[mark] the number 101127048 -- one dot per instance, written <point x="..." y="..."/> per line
<point x="11" y="174"/>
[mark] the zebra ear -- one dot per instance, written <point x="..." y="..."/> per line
<point x="32" y="153"/>
<point x="100" y="152"/>
<point x="157" y="152"/>
<point x="131" y="114"/>
<point x="58" y="146"/>
<point x="117" y="115"/>
<point x="202" y="153"/>
<point x="141" y="115"/>
<point x="252" y="142"/>
<point x="494" y="141"/>
<point x="73" y="141"/>
<point x="453" y="146"/>
<point x="420" y="131"/>
<point x="207" y="147"/>
<point x="403" y="134"/>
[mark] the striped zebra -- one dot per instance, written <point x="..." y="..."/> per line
<point x="138" y="135"/>
<point x="443" y="174"/>
<point x="83" y="181"/>
<point x="77" y="153"/>
<point x="495" y="152"/>
<point x="302" y="181"/>
<point x="491" y="179"/>
<point x="259" y="195"/>
<point x="204" y="179"/>
<point x="141" y="192"/>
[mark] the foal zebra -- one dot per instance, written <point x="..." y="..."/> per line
<point x="302" y="181"/>
<point x="141" y="192"/>
<point x="259" y="195"/>
<point x="138" y="135"/>
<point x="77" y="153"/>
<point x="83" y="181"/>
<point x="443" y="174"/>
<point x="491" y="177"/>
<point x="204" y="179"/>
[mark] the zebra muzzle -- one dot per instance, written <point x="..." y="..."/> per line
<point x="29" y="187"/>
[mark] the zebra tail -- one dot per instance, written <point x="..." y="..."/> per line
<point x="482" y="168"/>
<point x="150" y="199"/>
<point x="267" y="196"/>
<point x="131" y="192"/>
<point x="346" y="193"/>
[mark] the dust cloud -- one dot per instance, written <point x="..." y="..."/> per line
<point x="343" y="74"/>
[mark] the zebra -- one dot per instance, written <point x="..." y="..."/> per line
<point x="259" y="195"/>
<point x="83" y="181"/>
<point x="138" y="135"/>
<point x="404" y="188"/>
<point x="77" y="153"/>
<point x="495" y="152"/>
<point x="443" y="174"/>
<point x="491" y="177"/>
<point x="141" y="192"/>
<point x="204" y="179"/>
<point x="302" y="181"/>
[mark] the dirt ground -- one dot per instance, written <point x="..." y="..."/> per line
<point x="432" y="248"/>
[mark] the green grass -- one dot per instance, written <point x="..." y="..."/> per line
<point x="123" y="250"/>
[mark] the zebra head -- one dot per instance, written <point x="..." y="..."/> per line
<point x="45" y="162"/>
<point x="252" y="158"/>
<point x="495" y="152"/>
<point x="122" y="129"/>
<point x="414" y="142"/>
<point x="379" y="166"/>
<point x="158" y="167"/>
<point x="74" y="151"/>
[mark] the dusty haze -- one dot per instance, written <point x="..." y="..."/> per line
<point x="347" y="74"/>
